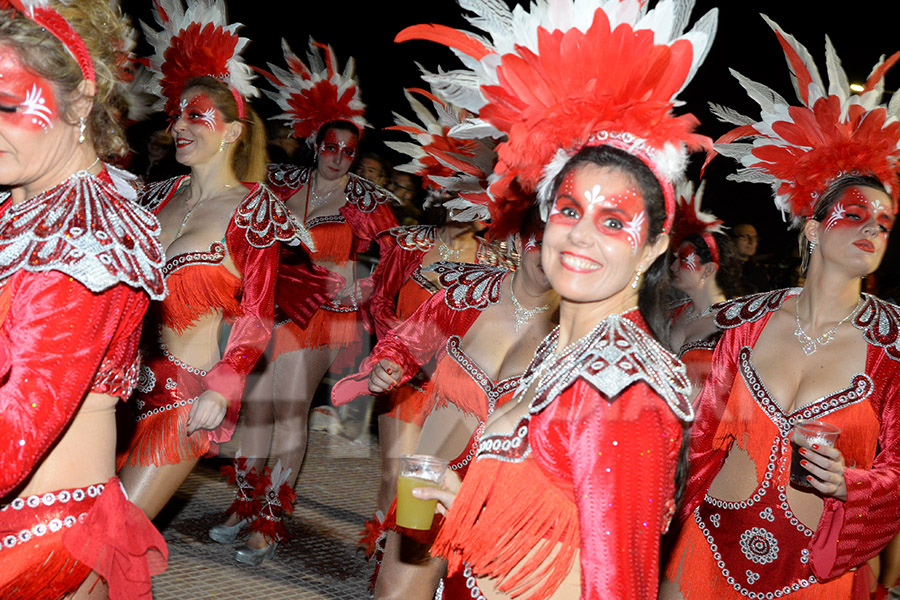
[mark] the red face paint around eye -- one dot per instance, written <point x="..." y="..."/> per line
<point x="201" y="110"/>
<point x="617" y="211"/>
<point x="688" y="258"/>
<point x="855" y="207"/>
<point x="335" y="144"/>
<point x="27" y="101"/>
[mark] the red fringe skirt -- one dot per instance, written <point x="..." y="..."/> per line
<point x="51" y="542"/>
<point x="165" y="392"/>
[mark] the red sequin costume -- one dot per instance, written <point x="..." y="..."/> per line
<point x="400" y="287"/>
<point x="78" y="264"/>
<point x="337" y="238"/>
<point x="435" y="332"/>
<point x="758" y="548"/>
<point x="588" y="473"/>
<point x="199" y="284"/>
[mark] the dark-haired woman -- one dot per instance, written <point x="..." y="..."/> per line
<point x="705" y="267"/>
<point x="343" y="214"/>
<point x="221" y="228"/>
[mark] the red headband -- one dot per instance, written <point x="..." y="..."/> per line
<point x="53" y="22"/>
<point x="239" y="100"/>
<point x="711" y="244"/>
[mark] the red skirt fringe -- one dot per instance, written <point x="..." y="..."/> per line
<point x="410" y="402"/>
<point x="165" y="393"/>
<point x="326" y="328"/>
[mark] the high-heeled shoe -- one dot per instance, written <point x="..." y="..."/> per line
<point x="225" y="534"/>
<point x="254" y="556"/>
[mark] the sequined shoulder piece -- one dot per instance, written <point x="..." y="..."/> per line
<point x="493" y="254"/>
<point x="287" y="178"/>
<point x="416" y="237"/>
<point x="266" y="220"/>
<point x="364" y="194"/>
<point x="469" y="286"/>
<point x="612" y="357"/>
<point x="4" y="196"/>
<point x="747" y="309"/>
<point x="155" y="194"/>
<point x="85" y="229"/>
<point x="880" y="322"/>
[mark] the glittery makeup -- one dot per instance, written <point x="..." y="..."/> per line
<point x="26" y="100"/>
<point x="855" y="208"/>
<point x="332" y="145"/>
<point x="201" y="109"/>
<point x="688" y="258"/>
<point x="621" y="214"/>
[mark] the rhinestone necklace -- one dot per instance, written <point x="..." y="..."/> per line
<point x="446" y="252"/>
<point x="810" y="345"/>
<point x="522" y="315"/>
<point x="318" y="200"/>
<point x="191" y="209"/>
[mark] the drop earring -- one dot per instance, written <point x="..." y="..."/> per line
<point x="812" y="245"/>
<point x="637" y="278"/>
<point x="222" y="145"/>
<point x="81" y="127"/>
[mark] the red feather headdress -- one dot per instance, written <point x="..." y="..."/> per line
<point x="41" y="13"/>
<point x="690" y="220"/>
<point x="196" y="43"/>
<point x="568" y="73"/>
<point x="801" y="150"/>
<point x="313" y="95"/>
<point x="459" y="167"/>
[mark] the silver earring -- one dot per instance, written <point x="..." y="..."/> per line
<point x="222" y="145"/>
<point x="812" y="245"/>
<point x="637" y="278"/>
<point x="81" y="128"/>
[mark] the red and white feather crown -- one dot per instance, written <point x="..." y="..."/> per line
<point x="690" y="220"/>
<point x="447" y="164"/>
<point x="801" y="150"/>
<point x="318" y="93"/>
<point x="568" y="73"/>
<point x="194" y="43"/>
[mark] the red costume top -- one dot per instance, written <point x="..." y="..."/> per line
<point x="436" y="330"/>
<point x="761" y="536"/>
<point x="590" y="468"/>
<point x="78" y="265"/>
<point x="202" y="285"/>
<point x="697" y="354"/>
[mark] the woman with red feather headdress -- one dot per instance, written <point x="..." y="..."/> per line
<point x="222" y="229"/>
<point x="753" y="526"/>
<point x="344" y="214"/>
<point x="574" y="480"/>
<point x="79" y="264"/>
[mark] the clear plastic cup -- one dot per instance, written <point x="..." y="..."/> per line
<point x="815" y="432"/>
<point x="418" y="470"/>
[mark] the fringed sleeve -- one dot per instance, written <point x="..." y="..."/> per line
<point x="58" y="332"/>
<point x="620" y="455"/>
<point x="849" y="533"/>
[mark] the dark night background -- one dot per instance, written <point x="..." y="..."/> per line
<point x="860" y="31"/>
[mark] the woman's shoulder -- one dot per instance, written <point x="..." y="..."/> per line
<point x="155" y="195"/>
<point x="469" y="286"/>
<point x="264" y="218"/>
<point x="364" y="195"/>
<point x="879" y="321"/>
<point x="412" y="237"/>
<point x="750" y="309"/>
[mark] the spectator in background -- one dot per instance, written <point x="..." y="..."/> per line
<point x="407" y="188"/>
<point x="282" y="147"/>
<point x="753" y="277"/>
<point x="374" y="168"/>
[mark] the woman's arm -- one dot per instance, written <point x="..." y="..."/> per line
<point x="58" y="334"/>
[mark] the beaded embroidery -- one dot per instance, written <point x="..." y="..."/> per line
<point x="469" y="286"/>
<point x="417" y="237"/>
<point x="53" y="525"/>
<point x="85" y="229"/>
<point x="214" y="256"/>
<point x="360" y="192"/>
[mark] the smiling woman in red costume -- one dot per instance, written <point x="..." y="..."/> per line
<point x="221" y="229"/>
<point x="825" y="352"/>
<point x="80" y="262"/>
<point x="574" y="479"/>
<point x="344" y="214"/>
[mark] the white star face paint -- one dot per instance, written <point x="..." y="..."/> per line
<point x="837" y="213"/>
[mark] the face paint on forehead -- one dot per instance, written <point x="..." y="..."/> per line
<point x="688" y="258"/>
<point x="27" y="100"/>
<point x="201" y="109"/>
<point x="854" y="208"/>
<point x="332" y="144"/>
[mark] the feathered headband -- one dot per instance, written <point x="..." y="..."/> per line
<point x="569" y="73"/>
<point x="196" y="43"/>
<point x="445" y="163"/>
<point x="313" y="95"/>
<point x="690" y="220"/>
<point x="40" y="12"/>
<point x="801" y="150"/>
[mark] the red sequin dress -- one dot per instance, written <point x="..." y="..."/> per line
<point x="199" y="284"/>
<point x="434" y="333"/>
<point x="400" y="287"/>
<point x="588" y="474"/>
<point x="78" y="265"/>
<point x="758" y="548"/>
<point x="337" y="240"/>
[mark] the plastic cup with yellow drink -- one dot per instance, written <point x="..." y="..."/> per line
<point x="418" y="470"/>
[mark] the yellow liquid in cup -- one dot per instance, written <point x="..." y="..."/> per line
<point x="414" y="513"/>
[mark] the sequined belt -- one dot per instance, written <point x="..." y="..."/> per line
<point x="166" y="383"/>
<point x="31" y="518"/>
